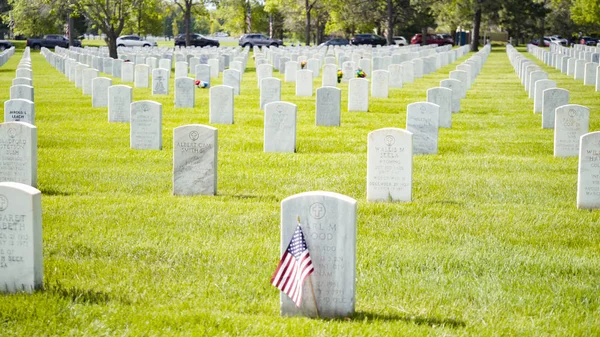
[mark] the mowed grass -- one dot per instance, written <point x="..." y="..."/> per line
<point x="491" y="245"/>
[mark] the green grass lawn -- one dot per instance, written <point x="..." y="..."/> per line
<point x="492" y="244"/>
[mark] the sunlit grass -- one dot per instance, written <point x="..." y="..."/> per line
<point x="491" y="245"/>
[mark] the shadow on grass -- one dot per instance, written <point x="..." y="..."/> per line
<point x="415" y="319"/>
<point x="51" y="191"/>
<point x="84" y="296"/>
<point x="250" y="197"/>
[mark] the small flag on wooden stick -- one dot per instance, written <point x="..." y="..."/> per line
<point x="294" y="267"/>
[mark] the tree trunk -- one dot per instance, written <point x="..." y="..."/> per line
<point x="424" y="36"/>
<point x="111" y="41"/>
<point x="70" y="29"/>
<point x="187" y="22"/>
<point x="139" y="21"/>
<point x="476" y="25"/>
<point x="307" y="23"/>
<point x="390" y="23"/>
<point x="542" y="31"/>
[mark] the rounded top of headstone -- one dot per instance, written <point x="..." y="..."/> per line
<point x="321" y="194"/>
<point x="16" y="186"/>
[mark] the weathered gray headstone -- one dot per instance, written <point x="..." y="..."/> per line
<point x="571" y="122"/>
<point x="329" y="225"/>
<point x="389" y="165"/>
<point x="21" y="258"/>
<point x="195" y="160"/>
<point x="280" y="127"/>
<point x="221" y="105"/>
<point x="328" y="109"/>
<point x="19" y="110"/>
<point x="18" y="153"/>
<point x="422" y="120"/>
<point x="146" y="125"/>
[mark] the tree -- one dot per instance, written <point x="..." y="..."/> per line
<point x="586" y="13"/>
<point x="110" y="16"/>
<point x="187" y="6"/>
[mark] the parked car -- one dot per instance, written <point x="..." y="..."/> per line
<point x="558" y="40"/>
<point x="537" y="42"/>
<point x="400" y="41"/>
<point x="51" y="41"/>
<point x="251" y="40"/>
<point x="133" y="41"/>
<point x="447" y="37"/>
<point x="335" y="42"/>
<point x="372" y="39"/>
<point x="220" y="34"/>
<point x="588" y="41"/>
<point x="5" y="44"/>
<point x="431" y="39"/>
<point x="197" y="40"/>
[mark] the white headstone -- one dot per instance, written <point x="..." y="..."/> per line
<point x="185" y="92"/>
<point x="270" y="91"/>
<point x="533" y="78"/>
<point x="329" y="76"/>
<point x="349" y="71"/>
<point x="100" y="87"/>
<point x="291" y="68"/>
<point x="462" y="77"/>
<point x="456" y="87"/>
<point x="379" y="83"/>
<point x="552" y="99"/>
<point x="304" y="83"/>
<point x="119" y="103"/>
<point x="422" y="120"/>
<point x="21" y="91"/>
<point x="19" y="110"/>
<point x="539" y="88"/>
<point x="571" y="122"/>
<point x="263" y="71"/>
<point x="146" y="125"/>
<point x="396" y="71"/>
<point x="221" y="105"/>
<point x="389" y="165"/>
<point x="88" y="75"/>
<point x="181" y="69"/>
<point x="128" y="71"/>
<point x="22" y="80"/>
<point x="214" y="68"/>
<point x="160" y="81"/>
<point x="280" y="127"/>
<point x="408" y="72"/>
<point x="195" y="160"/>
<point x="21" y="257"/>
<point x="329" y="225"/>
<point x="203" y="73"/>
<point x="590" y="73"/>
<point x="328" y="109"/>
<point x="165" y="64"/>
<point x="18" y="153"/>
<point x="232" y="78"/>
<point x="588" y="179"/>
<point x="443" y="98"/>
<point x="142" y="73"/>
<point x="358" y="95"/>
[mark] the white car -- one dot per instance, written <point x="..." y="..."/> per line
<point x="133" y="41"/>
<point x="400" y="41"/>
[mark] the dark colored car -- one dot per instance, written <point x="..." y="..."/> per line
<point x="251" y="40"/>
<point x="431" y="39"/>
<point x="335" y="42"/>
<point x="51" y="41"/>
<point x="4" y="44"/>
<point x="588" y="41"/>
<point x="372" y="39"/>
<point x="197" y="40"/>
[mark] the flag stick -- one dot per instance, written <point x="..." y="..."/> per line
<point x="313" y="295"/>
<point x="312" y="290"/>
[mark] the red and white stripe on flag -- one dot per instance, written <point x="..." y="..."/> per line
<point x="291" y="273"/>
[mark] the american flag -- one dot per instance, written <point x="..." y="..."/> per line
<point x="294" y="268"/>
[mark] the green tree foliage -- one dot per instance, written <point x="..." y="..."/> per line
<point x="232" y="16"/>
<point x="148" y="18"/>
<point x="586" y="13"/>
<point x="35" y="18"/>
